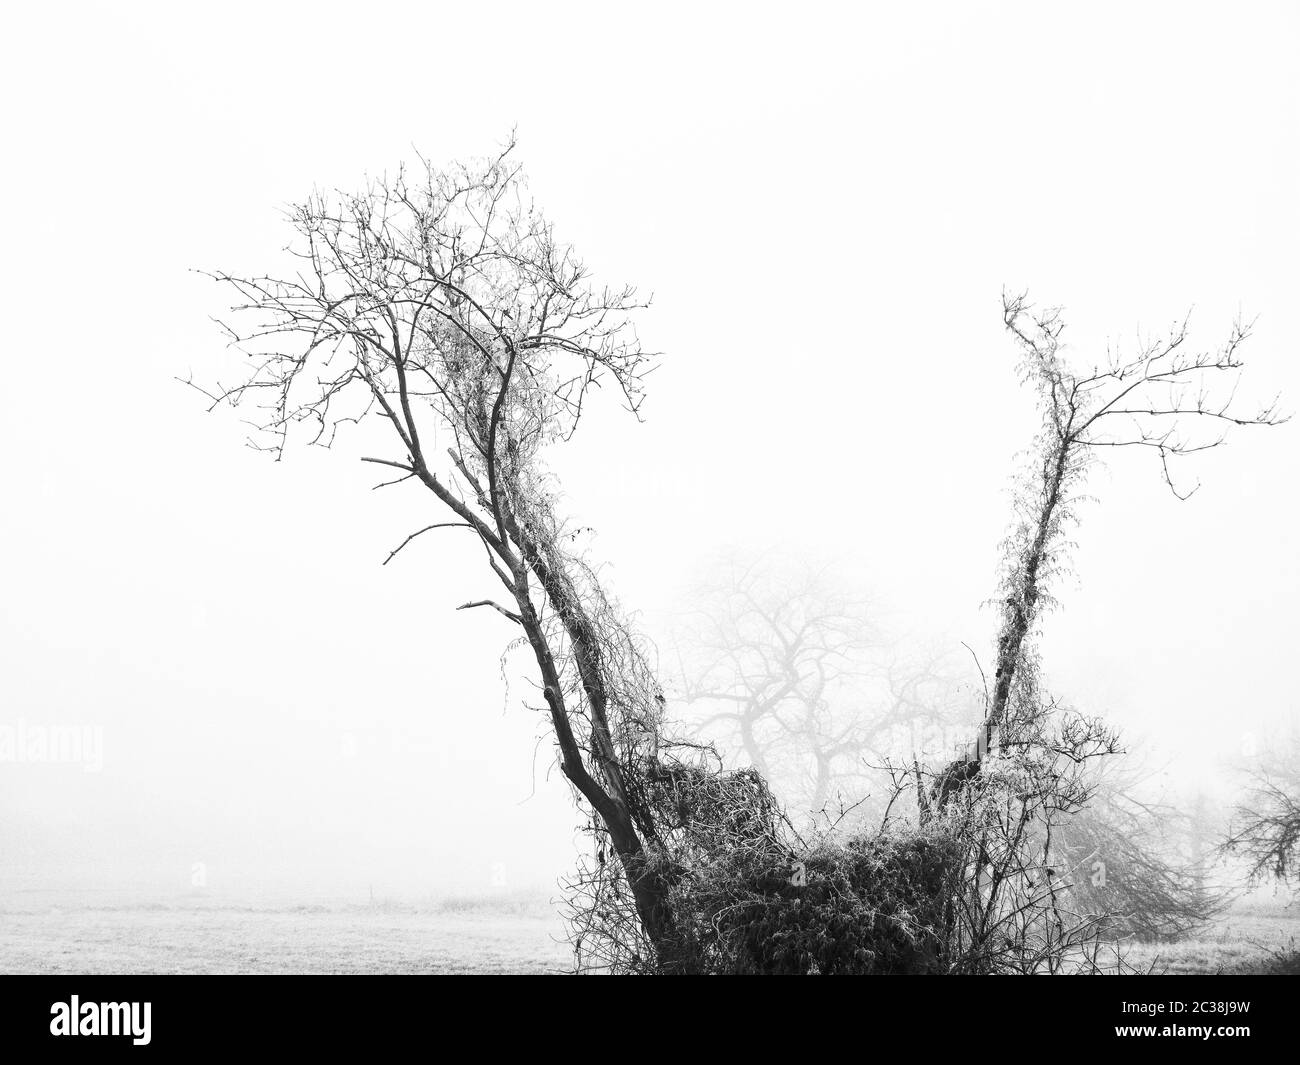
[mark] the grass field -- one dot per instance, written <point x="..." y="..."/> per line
<point x="1248" y="939"/>
<point x="449" y="936"/>
<point x="512" y="934"/>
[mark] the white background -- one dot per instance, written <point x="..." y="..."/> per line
<point x="826" y="202"/>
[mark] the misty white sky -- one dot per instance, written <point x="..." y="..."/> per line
<point x="826" y="201"/>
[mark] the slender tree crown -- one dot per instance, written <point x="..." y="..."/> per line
<point x="443" y="305"/>
<point x="1166" y="398"/>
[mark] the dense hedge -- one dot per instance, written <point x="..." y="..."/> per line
<point x="867" y="905"/>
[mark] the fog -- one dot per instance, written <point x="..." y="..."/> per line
<point x="826" y="225"/>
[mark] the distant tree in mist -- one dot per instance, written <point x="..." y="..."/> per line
<point x="1265" y="824"/>
<point x="785" y="668"/>
<point x="1139" y="860"/>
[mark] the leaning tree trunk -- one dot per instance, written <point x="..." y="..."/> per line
<point x="1020" y="608"/>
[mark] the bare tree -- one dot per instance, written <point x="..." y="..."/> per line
<point x="440" y="304"/>
<point x="1011" y="907"/>
<point x="1167" y="398"/>
<point x="1138" y="859"/>
<point x="1265" y="826"/>
<point x="1027" y="778"/>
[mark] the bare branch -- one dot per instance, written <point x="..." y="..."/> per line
<point x="499" y="609"/>
<point x="438" y="525"/>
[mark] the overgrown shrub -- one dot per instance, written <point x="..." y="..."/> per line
<point x="870" y="904"/>
<point x="749" y="894"/>
<point x="1126" y="866"/>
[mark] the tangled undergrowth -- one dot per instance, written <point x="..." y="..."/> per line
<point x="977" y="885"/>
<point x="869" y="904"/>
<point x="749" y="894"/>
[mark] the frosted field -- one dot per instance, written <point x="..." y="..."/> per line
<point x="462" y="935"/>
<point x="450" y="936"/>
<point x="1255" y="938"/>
